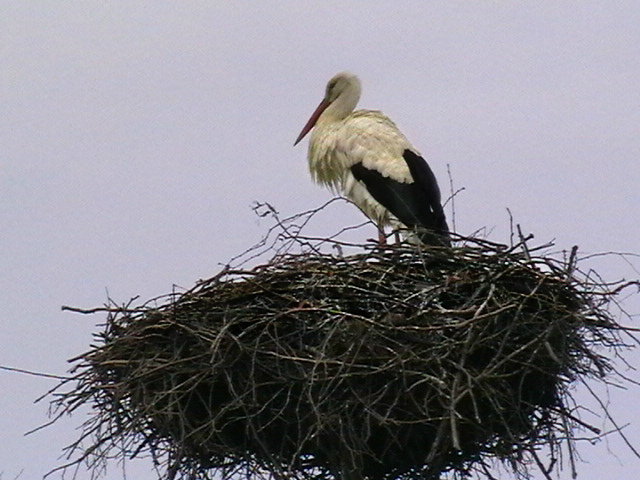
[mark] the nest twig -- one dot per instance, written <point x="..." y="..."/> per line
<point x="389" y="363"/>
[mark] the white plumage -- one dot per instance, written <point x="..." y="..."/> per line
<point x="364" y="156"/>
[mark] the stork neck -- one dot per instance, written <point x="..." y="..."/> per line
<point x="342" y="106"/>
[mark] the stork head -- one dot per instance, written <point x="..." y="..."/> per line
<point x="340" y="99"/>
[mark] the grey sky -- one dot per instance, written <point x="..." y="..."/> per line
<point x="135" y="136"/>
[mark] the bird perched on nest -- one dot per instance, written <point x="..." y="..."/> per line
<point x="363" y="155"/>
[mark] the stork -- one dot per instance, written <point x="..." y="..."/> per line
<point x="364" y="156"/>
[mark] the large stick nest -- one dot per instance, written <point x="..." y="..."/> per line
<point x="390" y="363"/>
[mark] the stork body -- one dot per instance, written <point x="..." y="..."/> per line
<point x="364" y="156"/>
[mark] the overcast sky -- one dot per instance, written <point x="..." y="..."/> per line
<point x="135" y="136"/>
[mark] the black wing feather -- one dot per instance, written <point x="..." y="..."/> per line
<point x="416" y="204"/>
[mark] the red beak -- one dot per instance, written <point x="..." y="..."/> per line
<point x="312" y="121"/>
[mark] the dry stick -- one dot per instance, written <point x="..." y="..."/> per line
<point x="572" y="262"/>
<point x="523" y="243"/>
<point x="452" y="197"/>
<point x="564" y="413"/>
<point x="88" y="311"/>
<point x="611" y="419"/>
<point x="545" y="471"/>
<point x="35" y="374"/>
<point x="570" y="447"/>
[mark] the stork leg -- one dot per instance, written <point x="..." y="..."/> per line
<point x="382" y="237"/>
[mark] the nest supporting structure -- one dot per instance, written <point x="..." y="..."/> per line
<point x="390" y="363"/>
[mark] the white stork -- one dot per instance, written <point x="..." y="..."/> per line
<point x="363" y="155"/>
